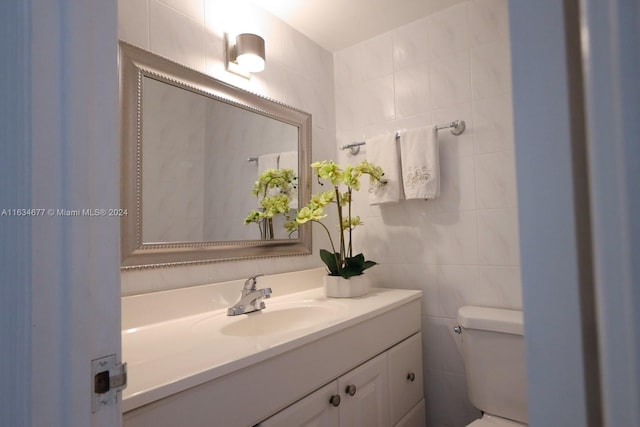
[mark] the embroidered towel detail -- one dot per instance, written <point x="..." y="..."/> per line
<point x="383" y="151"/>
<point x="289" y="160"/>
<point x="420" y="163"/>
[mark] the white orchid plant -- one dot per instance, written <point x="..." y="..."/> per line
<point x="274" y="189"/>
<point x="341" y="261"/>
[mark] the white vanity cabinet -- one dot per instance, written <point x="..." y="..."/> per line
<point x="371" y="349"/>
<point x="384" y="391"/>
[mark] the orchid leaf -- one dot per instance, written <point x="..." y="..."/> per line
<point x="368" y="264"/>
<point x="355" y="266"/>
<point x="331" y="261"/>
<point x="348" y="272"/>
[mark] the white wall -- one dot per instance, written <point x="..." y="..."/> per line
<point x="15" y="231"/>
<point x="561" y="323"/>
<point x="298" y="72"/>
<point x="74" y="261"/>
<point x="612" y="91"/>
<point x="461" y="248"/>
<point x="551" y="269"/>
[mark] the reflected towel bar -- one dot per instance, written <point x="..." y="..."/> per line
<point x="456" y="126"/>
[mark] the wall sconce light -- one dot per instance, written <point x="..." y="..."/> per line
<point x="245" y="54"/>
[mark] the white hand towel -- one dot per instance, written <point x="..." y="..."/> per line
<point x="420" y="163"/>
<point x="266" y="162"/>
<point x="383" y="151"/>
<point x="289" y="160"/>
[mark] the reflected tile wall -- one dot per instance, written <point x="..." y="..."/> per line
<point x="225" y="207"/>
<point x="173" y="161"/>
<point x="462" y="248"/>
<point x="298" y="72"/>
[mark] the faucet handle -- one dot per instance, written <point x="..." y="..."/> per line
<point x="250" y="283"/>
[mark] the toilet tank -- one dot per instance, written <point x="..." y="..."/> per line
<point x="493" y="352"/>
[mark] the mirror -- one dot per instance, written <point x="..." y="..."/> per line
<point x="192" y="148"/>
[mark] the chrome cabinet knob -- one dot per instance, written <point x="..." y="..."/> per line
<point x="411" y="376"/>
<point x="457" y="329"/>
<point x="350" y="390"/>
<point x="335" y="400"/>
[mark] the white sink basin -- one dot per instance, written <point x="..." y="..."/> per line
<point x="272" y="320"/>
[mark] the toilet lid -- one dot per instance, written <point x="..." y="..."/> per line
<point x="493" y="421"/>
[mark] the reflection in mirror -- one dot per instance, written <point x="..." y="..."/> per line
<point x="192" y="149"/>
<point x="200" y="160"/>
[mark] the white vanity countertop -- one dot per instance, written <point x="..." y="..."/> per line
<point x="164" y="358"/>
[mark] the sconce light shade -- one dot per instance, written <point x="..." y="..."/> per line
<point x="246" y="56"/>
<point x="250" y="50"/>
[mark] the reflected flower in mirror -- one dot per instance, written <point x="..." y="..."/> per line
<point x="274" y="190"/>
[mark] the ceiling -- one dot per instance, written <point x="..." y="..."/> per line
<point x="337" y="24"/>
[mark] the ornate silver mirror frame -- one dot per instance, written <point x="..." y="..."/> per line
<point x="136" y="64"/>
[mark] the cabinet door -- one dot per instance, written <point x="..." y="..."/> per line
<point x="316" y="410"/>
<point x="405" y="377"/>
<point x="365" y="398"/>
<point x="415" y="418"/>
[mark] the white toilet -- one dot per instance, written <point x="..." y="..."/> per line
<point x="493" y="351"/>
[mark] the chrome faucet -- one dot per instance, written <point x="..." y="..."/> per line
<point x="250" y="299"/>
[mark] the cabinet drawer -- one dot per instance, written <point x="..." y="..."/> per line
<point x="405" y="377"/>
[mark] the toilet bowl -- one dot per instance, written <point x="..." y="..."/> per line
<point x="493" y="353"/>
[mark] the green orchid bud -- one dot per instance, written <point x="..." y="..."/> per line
<point x="253" y="216"/>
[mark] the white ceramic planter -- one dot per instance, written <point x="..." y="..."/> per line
<point x="339" y="287"/>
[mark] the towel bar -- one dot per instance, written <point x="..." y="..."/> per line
<point x="456" y="126"/>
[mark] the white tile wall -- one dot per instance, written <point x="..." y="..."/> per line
<point x="298" y="72"/>
<point x="177" y="36"/>
<point x="462" y="248"/>
<point x="449" y="79"/>
<point x="133" y="22"/>
<point x="488" y="21"/>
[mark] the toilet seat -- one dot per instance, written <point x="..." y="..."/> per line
<point x="488" y="420"/>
